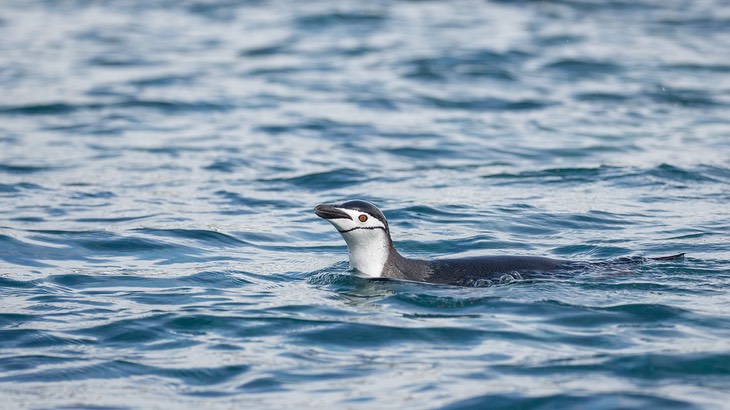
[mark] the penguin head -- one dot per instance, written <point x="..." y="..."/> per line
<point x="365" y="230"/>
<point x="353" y="216"/>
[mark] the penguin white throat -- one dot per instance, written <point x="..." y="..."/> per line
<point x="365" y="231"/>
<point x="368" y="251"/>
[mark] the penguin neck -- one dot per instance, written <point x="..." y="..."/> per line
<point x="369" y="251"/>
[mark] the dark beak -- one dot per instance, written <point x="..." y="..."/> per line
<point x="330" y="212"/>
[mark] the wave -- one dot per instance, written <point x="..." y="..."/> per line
<point x="660" y="174"/>
<point x="62" y="108"/>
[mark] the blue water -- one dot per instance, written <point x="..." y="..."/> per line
<point x="160" y="162"/>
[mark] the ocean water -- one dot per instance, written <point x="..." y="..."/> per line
<point x="160" y="162"/>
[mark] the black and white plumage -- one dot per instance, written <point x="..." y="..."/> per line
<point x="371" y="252"/>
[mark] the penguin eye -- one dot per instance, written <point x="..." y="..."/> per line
<point x="363" y="218"/>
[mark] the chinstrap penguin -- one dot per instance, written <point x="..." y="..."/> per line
<point x="371" y="252"/>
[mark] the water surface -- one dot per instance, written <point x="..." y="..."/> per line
<point x="160" y="162"/>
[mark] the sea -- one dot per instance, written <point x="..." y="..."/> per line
<point x="160" y="161"/>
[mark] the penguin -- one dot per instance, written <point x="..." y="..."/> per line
<point x="372" y="254"/>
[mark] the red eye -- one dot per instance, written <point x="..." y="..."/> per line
<point x="363" y="218"/>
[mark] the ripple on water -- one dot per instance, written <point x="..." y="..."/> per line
<point x="477" y="64"/>
<point x="346" y="336"/>
<point x="582" y="69"/>
<point x="249" y="202"/>
<point x="24" y="169"/>
<point x="120" y="369"/>
<point x="327" y="180"/>
<point x="597" y="401"/>
<point x="17" y="188"/>
<point x="659" y="175"/>
<point x="37" y="339"/>
<point x="483" y="103"/>
<point x="211" y="238"/>
<point x="623" y="315"/>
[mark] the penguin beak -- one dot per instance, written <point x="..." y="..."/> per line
<point x="330" y="212"/>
